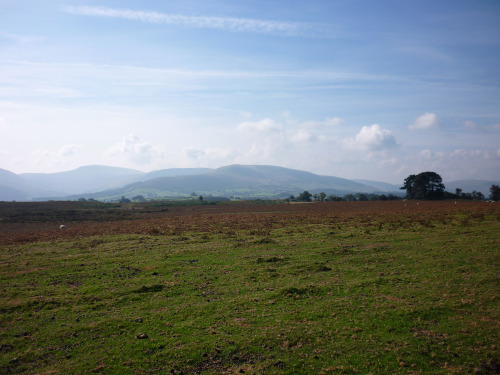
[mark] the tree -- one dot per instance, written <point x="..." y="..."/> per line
<point x="408" y="185"/>
<point x="361" y="197"/>
<point x="477" y="195"/>
<point x="123" y="199"/>
<point x="139" y="198"/>
<point x="349" y="197"/>
<point x="393" y="197"/>
<point x="322" y="196"/>
<point x="425" y="185"/>
<point x="304" y="196"/>
<point x="200" y="198"/>
<point x="495" y="192"/>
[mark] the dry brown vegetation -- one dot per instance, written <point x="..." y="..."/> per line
<point x="221" y="218"/>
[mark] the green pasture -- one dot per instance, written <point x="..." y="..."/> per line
<point x="373" y="297"/>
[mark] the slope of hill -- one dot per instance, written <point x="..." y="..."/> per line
<point x="173" y="172"/>
<point x="240" y="180"/>
<point x="384" y="186"/>
<point x="83" y="180"/>
<point x="15" y="187"/>
<point x="12" y="187"/>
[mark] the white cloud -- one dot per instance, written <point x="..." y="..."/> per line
<point x="131" y="149"/>
<point x="193" y="153"/>
<point x="430" y="155"/>
<point x="204" y="22"/>
<point x="469" y="125"/>
<point x="479" y="163"/>
<point x="22" y="39"/>
<point x="426" y="121"/>
<point x="311" y="131"/>
<point x="303" y="135"/>
<point x="472" y="126"/>
<point x="328" y="122"/>
<point x="23" y="80"/>
<point x="3" y="126"/>
<point x="263" y="126"/>
<point x="372" y="138"/>
<point x="50" y="159"/>
<point x="334" y="121"/>
<point x="69" y="150"/>
<point x="209" y="157"/>
<point x="64" y="152"/>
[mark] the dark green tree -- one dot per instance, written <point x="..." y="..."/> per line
<point x="425" y="185"/>
<point x="477" y="195"/>
<point x="123" y="199"/>
<point x="361" y="197"/>
<point x="349" y="197"/>
<point x="495" y="193"/>
<point x="334" y="198"/>
<point x="304" y="196"/>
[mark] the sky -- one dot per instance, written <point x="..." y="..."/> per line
<point x="373" y="90"/>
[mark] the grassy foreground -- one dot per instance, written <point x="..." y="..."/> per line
<point x="393" y="293"/>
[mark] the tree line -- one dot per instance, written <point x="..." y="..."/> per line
<point x="423" y="186"/>
<point x="429" y="186"/>
<point x="322" y="197"/>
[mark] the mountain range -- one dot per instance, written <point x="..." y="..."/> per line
<point x="246" y="181"/>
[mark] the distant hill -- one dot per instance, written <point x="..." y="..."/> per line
<point x="240" y="180"/>
<point x="80" y="181"/>
<point x="246" y="181"/>
<point x="15" y="187"/>
<point x="173" y="172"/>
<point x="83" y="180"/>
<point x="384" y="186"/>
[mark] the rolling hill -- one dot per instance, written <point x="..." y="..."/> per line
<point x="246" y="181"/>
<point x="240" y="180"/>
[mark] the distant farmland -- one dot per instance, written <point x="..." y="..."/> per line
<point x="340" y="287"/>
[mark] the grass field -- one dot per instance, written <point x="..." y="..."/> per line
<point x="342" y="287"/>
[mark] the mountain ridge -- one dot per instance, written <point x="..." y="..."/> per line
<point x="247" y="181"/>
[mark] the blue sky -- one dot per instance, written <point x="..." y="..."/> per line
<point x="356" y="89"/>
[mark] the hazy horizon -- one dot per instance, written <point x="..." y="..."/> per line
<point x="358" y="90"/>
